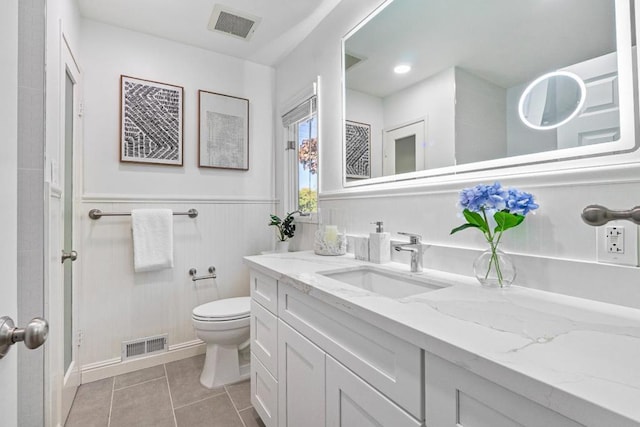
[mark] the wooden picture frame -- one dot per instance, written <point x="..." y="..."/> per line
<point x="223" y="131"/>
<point x="357" y="150"/>
<point x="151" y="122"/>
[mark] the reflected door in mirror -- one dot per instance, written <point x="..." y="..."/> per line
<point x="404" y="149"/>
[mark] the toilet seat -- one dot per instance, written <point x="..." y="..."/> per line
<point x="223" y="310"/>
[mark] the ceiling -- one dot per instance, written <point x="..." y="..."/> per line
<point x="506" y="42"/>
<point x="285" y="23"/>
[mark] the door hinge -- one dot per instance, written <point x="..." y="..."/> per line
<point x="80" y="109"/>
<point x="291" y="145"/>
<point x="79" y="338"/>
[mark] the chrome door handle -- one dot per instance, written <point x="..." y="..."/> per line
<point x="34" y="335"/>
<point x="73" y="255"/>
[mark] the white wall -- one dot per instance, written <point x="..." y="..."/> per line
<point x="555" y="250"/>
<point x="481" y="132"/>
<point x="432" y="100"/>
<point x="117" y="304"/>
<point x="107" y="52"/>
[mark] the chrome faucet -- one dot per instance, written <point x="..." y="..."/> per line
<point x="415" y="247"/>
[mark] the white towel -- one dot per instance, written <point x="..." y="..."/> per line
<point x="152" y="239"/>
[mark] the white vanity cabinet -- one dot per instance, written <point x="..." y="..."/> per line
<point x="264" y="347"/>
<point x="314" y="365"/>
<point x="457" y="397"/>
<point x="301" y="392"/>
<point x="351" y="402"/>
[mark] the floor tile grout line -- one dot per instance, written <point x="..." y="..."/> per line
<point x="113" y="386"/>
<point x="140" y="383"/>
<point x="173" y="410"/>
<point x="199" y="401"/>
<point x="234" y="406"/>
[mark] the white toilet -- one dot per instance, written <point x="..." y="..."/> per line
<point x="224" y="326"/>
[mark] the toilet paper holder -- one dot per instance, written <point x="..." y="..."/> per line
<point x="211" y="275"/>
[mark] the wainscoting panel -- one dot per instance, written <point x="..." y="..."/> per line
<point x="117" y="304"/>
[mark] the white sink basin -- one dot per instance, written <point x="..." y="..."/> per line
<point x="383" y="282"/>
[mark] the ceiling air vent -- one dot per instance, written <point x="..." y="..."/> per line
<point x="232" y="22"/>
<point x="350" y="60"/>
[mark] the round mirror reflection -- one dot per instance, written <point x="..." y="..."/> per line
<point x="552" y="100"/>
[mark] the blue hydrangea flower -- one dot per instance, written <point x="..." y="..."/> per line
<point x="487" y="197"/>
<point x="520" y="202"/>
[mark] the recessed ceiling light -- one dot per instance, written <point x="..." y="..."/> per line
<point x="402" y="69"/>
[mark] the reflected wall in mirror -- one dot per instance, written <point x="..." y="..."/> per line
<point x="470" y="63"/>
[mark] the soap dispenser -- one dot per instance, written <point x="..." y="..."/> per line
<point x="379" y="245"/>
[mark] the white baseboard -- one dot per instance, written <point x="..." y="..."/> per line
<point x="112" y="367"/>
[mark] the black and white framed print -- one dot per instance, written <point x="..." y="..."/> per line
<point x="357" y="149"/>
<point x="223" y="131"/>
<point x="150" y="122"/>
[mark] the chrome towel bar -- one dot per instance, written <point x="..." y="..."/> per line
<point x="211" y="275"/>
<point x="97" y="213"/>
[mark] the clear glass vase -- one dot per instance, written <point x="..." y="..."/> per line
<point x="494" y="269"/>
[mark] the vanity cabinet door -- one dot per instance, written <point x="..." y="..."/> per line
<point x="264" y="393"/>
<point x="351" y="402"/>
<point x="456" y="397"/>
<point x="301" y="372"/>
<point x="264" y="337"/>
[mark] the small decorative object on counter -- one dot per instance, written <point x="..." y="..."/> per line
<point x="509" y="206"/>
<point x="285" y="229"/>
<point x="330" y="238"/>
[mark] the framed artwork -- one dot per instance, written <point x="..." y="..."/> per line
<point x="357" y="149"/>
<point x="150" y="122"/>
<point x="223" y="140"/>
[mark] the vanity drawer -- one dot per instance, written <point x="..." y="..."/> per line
<point x="264" y="393"/>
<point x="264" y="289"/>
<point x="457" y="397"/>
<point x="264" y="337"/>
<point x="391" y="365"/>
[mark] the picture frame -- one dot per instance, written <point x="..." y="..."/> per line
<point x="151" y="122"/>
<point x="223" y="131"/>
<point x="357" y="149"/>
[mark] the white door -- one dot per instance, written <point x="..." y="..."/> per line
<point x="8" y="195"/>
<point x="404" y="149"/>
<point x="599" y="120"/>
<point x="71" y="129"/>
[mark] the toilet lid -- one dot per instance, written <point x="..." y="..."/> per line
<point x="228" y="308"/>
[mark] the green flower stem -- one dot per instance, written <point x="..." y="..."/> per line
<point x="494" y="247"/>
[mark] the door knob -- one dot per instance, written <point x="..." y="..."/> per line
<point x="73" y="255"/>
<point x="34" y="335"/>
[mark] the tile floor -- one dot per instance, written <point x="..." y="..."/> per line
<point x="167" y="395"/>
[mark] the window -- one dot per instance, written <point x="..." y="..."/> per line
<point x="301" y="125"/>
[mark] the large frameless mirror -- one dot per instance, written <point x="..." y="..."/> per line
<point x="435" y="87"/>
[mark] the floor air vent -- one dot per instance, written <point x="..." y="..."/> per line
<point x="233" y="23"/>
<point x="144" y="346"/>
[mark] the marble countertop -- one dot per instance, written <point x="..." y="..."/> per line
<point x="578" y="357"/>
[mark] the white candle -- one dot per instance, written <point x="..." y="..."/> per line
<point x="330" y="233"/>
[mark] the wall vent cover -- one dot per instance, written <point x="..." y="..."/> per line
<point x="350" y="60"/>
<point x="144" y="346"/>
<point x="233" y="23"/>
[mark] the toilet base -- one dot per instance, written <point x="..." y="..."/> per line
<point x="222" y="366"/>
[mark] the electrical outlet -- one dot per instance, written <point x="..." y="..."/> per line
<point x="617" y="243"/>
<point x="614" y="239"/>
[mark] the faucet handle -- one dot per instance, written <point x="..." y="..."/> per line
<point x="413" y="238"/>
